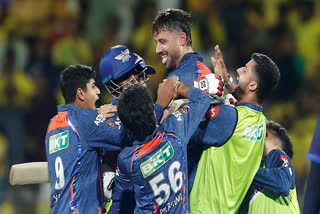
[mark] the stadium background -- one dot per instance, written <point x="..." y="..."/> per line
<point x="40" y="37"/>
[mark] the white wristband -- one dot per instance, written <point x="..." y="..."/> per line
<point x="230" y="81"/>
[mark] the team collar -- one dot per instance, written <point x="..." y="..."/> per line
<point x="251" y="105"/>
<point x="189" y="56"/>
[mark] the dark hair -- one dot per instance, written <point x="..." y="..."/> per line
<point x="173" y="19"/>
<point x="74" y="77"/>
<point x="268" y="75"/>
<point x="136" y="112"/>
<point x="281" y="133"/>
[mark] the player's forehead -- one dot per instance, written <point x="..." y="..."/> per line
<point x="251" y="65"/>
<point x="164" y="33"/>
<point x="91" y="82"/>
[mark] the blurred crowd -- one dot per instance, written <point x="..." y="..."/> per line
<point x="38" y="38"/>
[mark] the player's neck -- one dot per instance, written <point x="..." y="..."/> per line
<point x="184" y="51"/>
<point x="250" y="98"/>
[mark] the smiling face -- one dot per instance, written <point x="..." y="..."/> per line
<point x="168" y="47"/>
<point x="90" y="95"/>
<point x="247" y="80"/>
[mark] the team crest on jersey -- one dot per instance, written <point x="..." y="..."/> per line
<point x="157" y="160"/>
<point x="58" y="142"/>
<point x="213" y="112"/>
<point x="113" y="125"/>
<point x="124" y="56"/>
<point x="252" y="132"/>
<point x="184" y="110"/>
<point x="285" y="160"/>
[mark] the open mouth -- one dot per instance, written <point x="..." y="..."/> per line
<point x="164" y="59"/>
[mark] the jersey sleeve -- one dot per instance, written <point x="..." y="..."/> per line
<point x="101" y="132"/>
<point x="218" y="126"/>
<point x="159" y="111"/>
<point x="184" y="121"/>
<point x="314" y="151"/>
<point x="122" y="181"/>
<point x="278" y="176"/>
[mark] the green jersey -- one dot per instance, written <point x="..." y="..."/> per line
<point x="225" y="173"/>
<point x="269" y="202"/>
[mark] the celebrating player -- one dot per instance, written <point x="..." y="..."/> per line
<point x="155" y="166"/>
<point x="74" y="140"/>
<point x="232" y="155"/>
<point x="119" y="68"/>
<point x="274" y="184"/>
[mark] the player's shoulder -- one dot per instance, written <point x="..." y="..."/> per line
<point x="277" y="157"/>
<point x="223" y="112"/>
<point x="126" y="157"/>
<point x="127" y="153"/>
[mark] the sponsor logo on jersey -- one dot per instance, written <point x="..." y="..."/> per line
<point x="252" y="133"/>
<point x="213" y="112"/>
<point x="124" y="56"/>
<point x="157" y="160"/>
<point x="58" y="142"/>
<point x="285" y="160"/>
<point x="99" y="119"/>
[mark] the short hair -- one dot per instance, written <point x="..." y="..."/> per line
<point x="268" y="75"/>
<point x="173" y="19"/>
<point x="136" y="112"/>
<point x="74" y="77"/>
<point x="281" y="133"/>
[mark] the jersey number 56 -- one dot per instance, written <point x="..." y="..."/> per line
<point x="175" y="180"/>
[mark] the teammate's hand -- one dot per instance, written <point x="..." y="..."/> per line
<point x="108" y="179"/>
<point x="211" y="84"/>
<point x="230" y="100"/>
<point x="107" y="110"/>
<point x="218" y="64"/>
<point x="166" y="91"/>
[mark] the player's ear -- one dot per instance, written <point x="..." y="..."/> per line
<point x="80" y="94"/>
<point x="182" y="38"/>
<point x="253" y="85"/>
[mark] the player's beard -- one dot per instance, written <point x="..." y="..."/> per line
<point x="238" y="93"/>
<point x="173" y="60"/>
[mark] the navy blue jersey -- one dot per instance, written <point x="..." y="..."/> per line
<point x="190" y="68"/>
<point x="314" y="152"/>
<point x="156" y="169"/>
<point x="74" y="139"/>
<point x="278" y="174"/>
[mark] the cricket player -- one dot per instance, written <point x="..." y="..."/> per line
<point x="274" y="182"/>
<point x="74" y="140"/>
<point x="155" y="167"/>
<point x="230" y="159"/>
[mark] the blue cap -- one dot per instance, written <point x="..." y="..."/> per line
<point x="118" y="61"/>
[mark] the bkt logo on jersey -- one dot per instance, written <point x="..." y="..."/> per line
<point x="58" y="142"/>
<point x="157" y="160"/>
<point x="252" y="133"/>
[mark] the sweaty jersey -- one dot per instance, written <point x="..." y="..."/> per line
<point x="225" y="173"/>
<point x="278" y="195"/>
<point x="156" y="169"/>
<point x="74" y="139"/>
